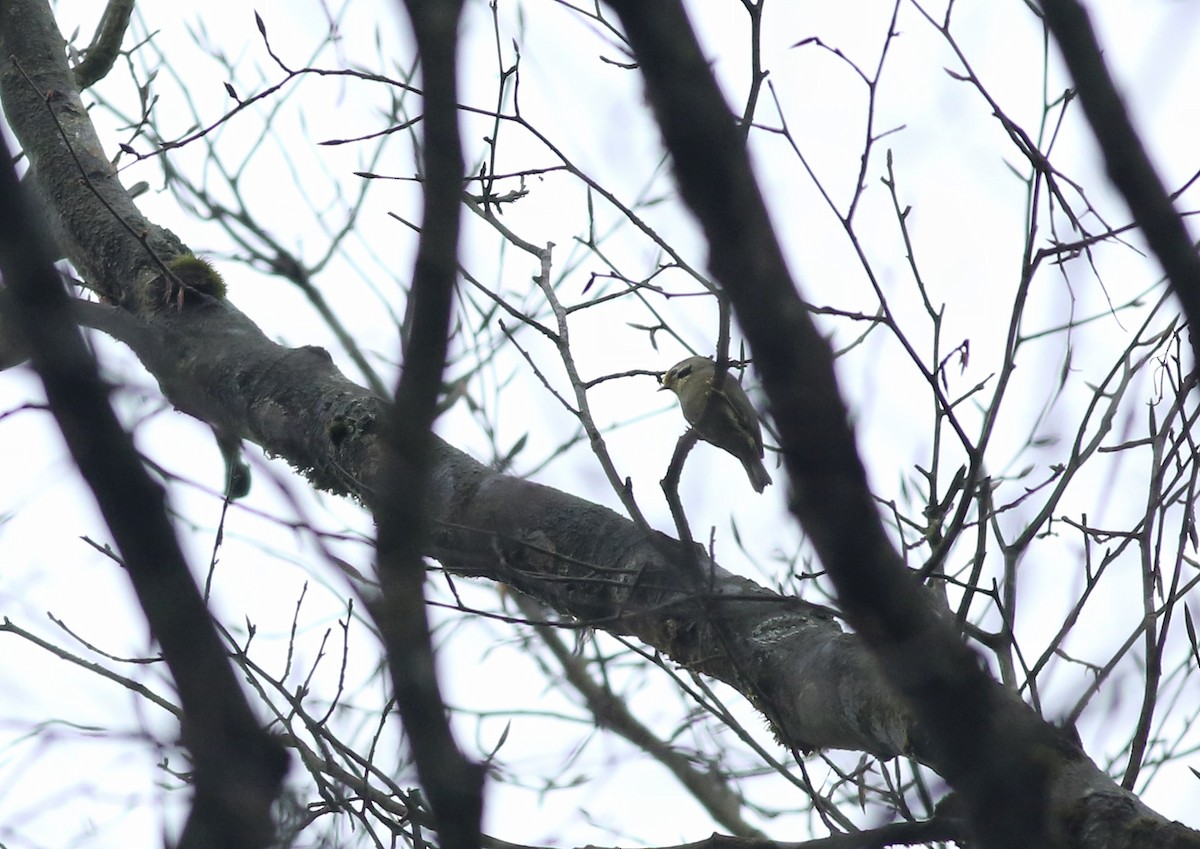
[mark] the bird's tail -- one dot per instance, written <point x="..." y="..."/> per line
<point x="760" y="479"/>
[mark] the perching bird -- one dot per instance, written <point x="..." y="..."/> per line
<point x="730" y="424"/>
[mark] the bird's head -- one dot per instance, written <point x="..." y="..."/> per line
<point x="686" y="373"/>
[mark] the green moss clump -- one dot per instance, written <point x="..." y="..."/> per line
<point x="193" y="278"/>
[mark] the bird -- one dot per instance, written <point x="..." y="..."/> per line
<point x="730" y="422"/>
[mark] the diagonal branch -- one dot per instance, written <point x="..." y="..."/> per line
<point x="1129" y="166"/>
<point x="979" y="736"/>
<point x="239" y="768"/>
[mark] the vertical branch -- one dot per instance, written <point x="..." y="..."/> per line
<point x="239" y="768"/>
<point x="452" y="784"/>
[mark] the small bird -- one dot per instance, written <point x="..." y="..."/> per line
<point x="730" y="424"/>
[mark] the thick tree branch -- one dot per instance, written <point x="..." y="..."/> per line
<point x="95" y="222"/>
<point x="1129" y="166"/>
<point x="239" y="769"/>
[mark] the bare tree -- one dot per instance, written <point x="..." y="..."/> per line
<point x="958" y="680"/>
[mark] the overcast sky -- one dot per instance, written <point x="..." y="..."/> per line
<point x="953" y="166"/>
